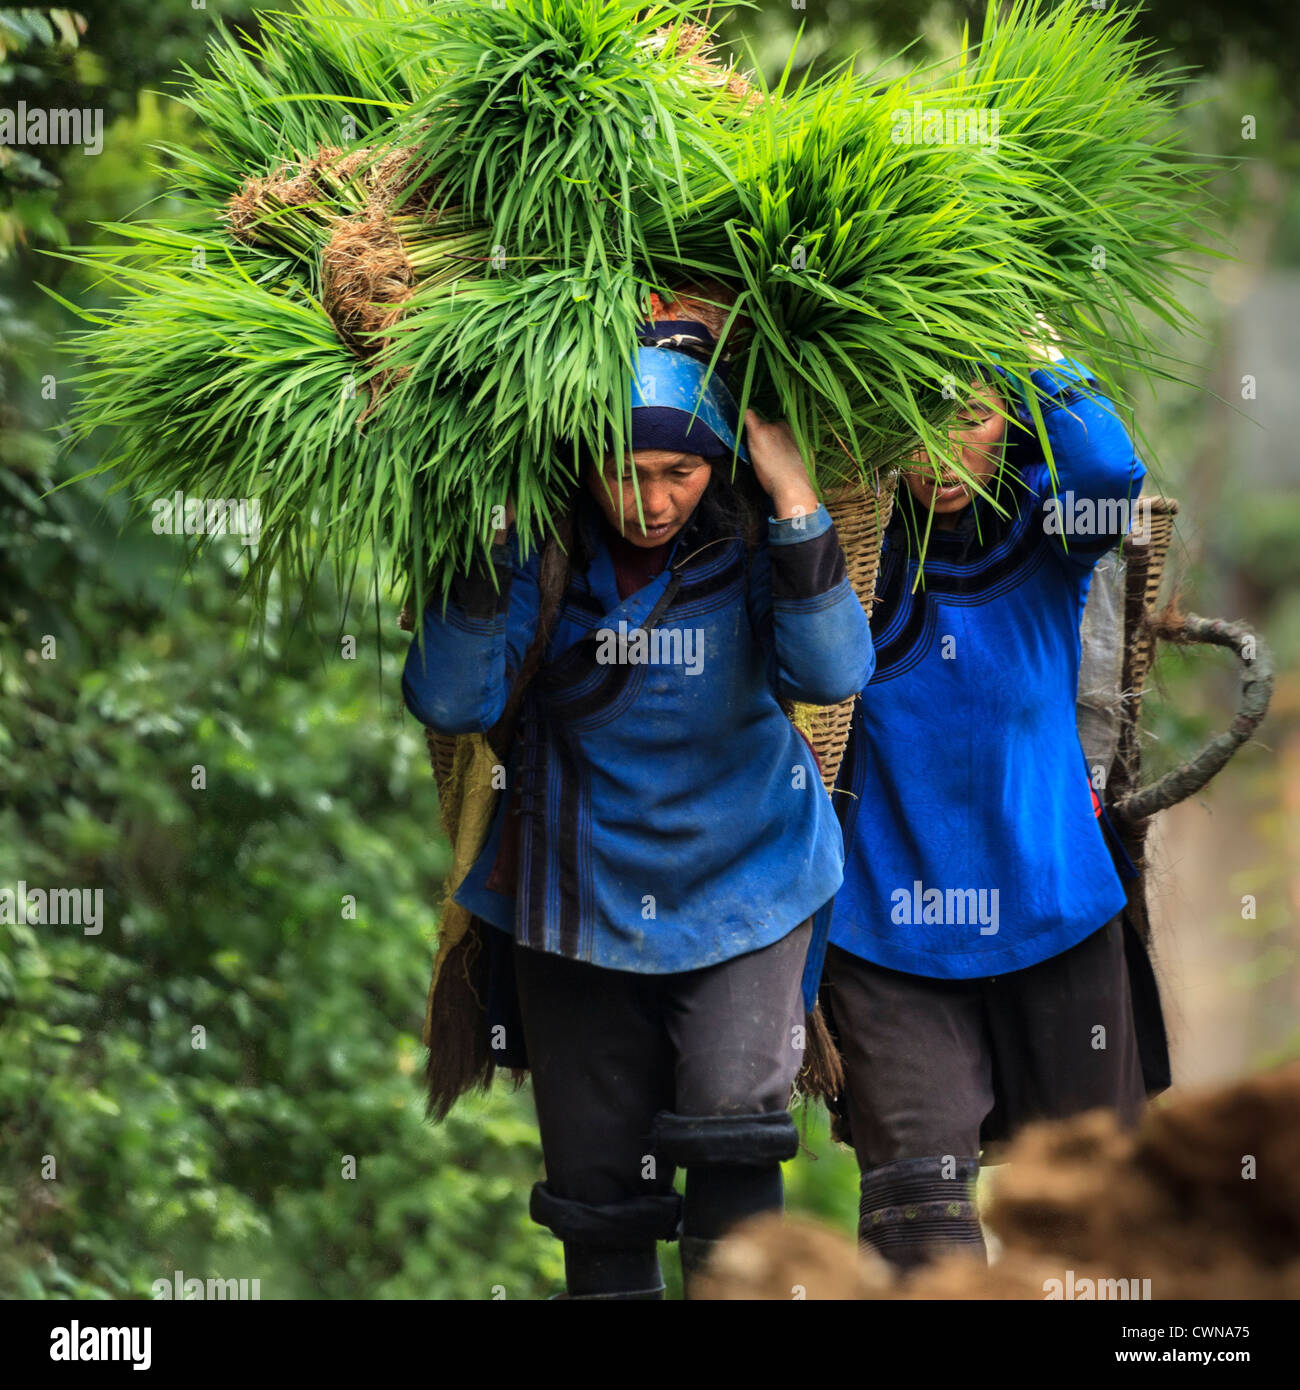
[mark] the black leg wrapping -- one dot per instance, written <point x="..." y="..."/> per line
<point x="612" y="1226"/>
<point x="591" y="1271"/>
<point x="722" y="1195"/>
<point x="910" y="1213"/>
<point x="692" y="1140"/>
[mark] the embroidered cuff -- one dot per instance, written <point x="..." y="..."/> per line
<point x="755" y="1140"/>
<point x="790" y="530"/>
<point x="611" y="1225"/>
<point x="808" y="563"/>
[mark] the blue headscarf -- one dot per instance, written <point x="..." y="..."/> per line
<point x="676" y="403"/>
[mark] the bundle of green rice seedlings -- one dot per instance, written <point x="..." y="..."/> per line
<point x="321" y="77"/>
<point x="876" y="275"/>
<point x="891" y="240"/>
<point x="1095" y="175"/>
<point x="222" y="386"/>
<point x="553" y="123"/>
<point x="418" y="241"/>
<point x="551" y="115"/>
<point x="386" y="340"/>
<point x="708" y="65"/>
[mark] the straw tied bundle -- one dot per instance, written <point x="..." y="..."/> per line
<point x="417" y="242"/>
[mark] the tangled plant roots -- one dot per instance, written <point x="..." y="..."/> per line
<point x="248" y="209"/>
<point x="384" y="176"/>
<point x="380" y="179"/>
<point x="366" y="278"/>
<point x="366" y="275"/>
<point x="1202" y="1200"/>
<point x="692" y="43"/>
<point x="259" y="202"/>
<point x="293" y="190"/>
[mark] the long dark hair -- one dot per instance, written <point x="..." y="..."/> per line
<point x="729" y="507"/>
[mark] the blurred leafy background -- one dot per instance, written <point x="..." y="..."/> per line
<point x="226" y="908"/>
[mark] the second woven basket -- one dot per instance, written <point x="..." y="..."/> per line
<point x="860" y="518"/>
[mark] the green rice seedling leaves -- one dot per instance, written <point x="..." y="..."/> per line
<point x="1096" y="179"/>
<point x="416" y="241"/>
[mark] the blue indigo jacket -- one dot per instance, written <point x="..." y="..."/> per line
<point x="973" y="843"/>
<point x="669" y="814"/>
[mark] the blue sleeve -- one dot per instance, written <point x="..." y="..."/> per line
<point x="458" y="683"/>
<point x="804" y="610"/>
<point x="1098" y="473"/>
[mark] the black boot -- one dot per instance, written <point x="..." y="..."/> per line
<point x="718" y="1197"/>
<point x="911" y="1213"/>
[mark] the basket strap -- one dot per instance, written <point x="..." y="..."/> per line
<point x="553" y="579"/>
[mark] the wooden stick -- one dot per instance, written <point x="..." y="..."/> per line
<point x="1256" y="691"/>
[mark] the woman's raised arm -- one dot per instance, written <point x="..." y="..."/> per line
<point x="473" y="647"/>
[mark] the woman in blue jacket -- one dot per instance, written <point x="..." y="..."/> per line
<point x="978" y="975"/>
<point x="665" y="844"/>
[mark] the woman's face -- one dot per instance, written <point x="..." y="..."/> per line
<point x="670" y="484"/>
<point x="977" y="437"/>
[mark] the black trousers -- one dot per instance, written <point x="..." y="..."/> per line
<point x="636" y="1075"/>
<point x="931" y="1065"/>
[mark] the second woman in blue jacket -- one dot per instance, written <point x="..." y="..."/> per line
<point x="666" y="857"/>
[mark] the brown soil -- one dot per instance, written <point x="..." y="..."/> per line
<point x="1202" y="1199"/>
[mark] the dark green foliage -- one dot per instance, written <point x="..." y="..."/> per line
<point x="224" y="909"/>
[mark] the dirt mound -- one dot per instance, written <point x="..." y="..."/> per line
<point x="771" y="1257"/>
<point x="1202" y="1200"/>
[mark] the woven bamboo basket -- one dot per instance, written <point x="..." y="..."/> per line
<point x="860" y="518"/>
<point x="1145" y="567"/>
<point x="442" y="757"/>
